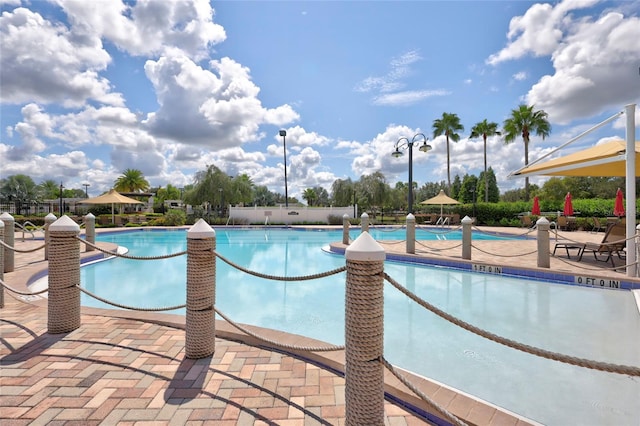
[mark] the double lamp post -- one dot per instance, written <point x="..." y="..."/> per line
<point x="406" y="144"/>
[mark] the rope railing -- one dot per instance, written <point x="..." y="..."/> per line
<point x="421" y="243"/>
<point x="441" y="410"/>
<point x="128" y="256"/>
<point x="503" y="235"/>
<point x="276" y="277"/>
<point x="276" y="343"/>
<point x="577" y="361"/>
<point x="21" y="293"/>
<point x="130" y="308"/>
<point x="504" y="255"/>
<point x="442" y="232"/>
<point x="12" y="248"/>
<point x="601" y="268"/>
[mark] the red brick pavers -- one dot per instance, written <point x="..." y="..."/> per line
<point x="128" y="372"/>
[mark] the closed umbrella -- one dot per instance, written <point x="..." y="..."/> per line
<point x="618" y="208"/>
<point x="536" y="206"/>
<point x="568" y="205"/>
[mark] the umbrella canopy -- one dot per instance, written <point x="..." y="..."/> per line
<point x="536" y="206"/>
<point x="605" y="160"/>
<point x="441" y="199"/>
<point x="618" y="208"/>
<point x="568" y="205"/>
<point x="112" y="197"/>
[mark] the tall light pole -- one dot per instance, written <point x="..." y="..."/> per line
<point x="61" y="203"/>
<point x="283" y="133"/>
<point x="404" y="143"/>
<point x="86" y="189"/>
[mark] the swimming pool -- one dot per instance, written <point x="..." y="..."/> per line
<point x="592" y="323"/>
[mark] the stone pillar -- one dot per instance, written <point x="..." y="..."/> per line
<point x="345" y="229"/>
<point x="9" y="239"/>
<point x="48" y="220"/>
<point x="90" y="230"/>
<point x="200" y="330"/>
<point x="64" y="276"/>
<point x="544" y="257"/>
<point x="411" y="233"/>
<point x="364" y="332"/>
<point x="466" y="237"/>
<point x="364" y="222"/>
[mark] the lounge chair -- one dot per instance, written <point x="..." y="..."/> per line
<point x="613" y="242"/>
<point x="597" y="225"/>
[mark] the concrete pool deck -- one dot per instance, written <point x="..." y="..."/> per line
<point x="129" y="368"/>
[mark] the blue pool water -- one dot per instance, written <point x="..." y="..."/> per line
<point x="597" y="324"/>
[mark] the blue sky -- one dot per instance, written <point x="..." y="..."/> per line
<point x="89" y="89"/>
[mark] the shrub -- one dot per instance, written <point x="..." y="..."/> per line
<point x="175" y="217"/>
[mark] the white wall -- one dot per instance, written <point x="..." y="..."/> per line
<point x="280" y="214"/>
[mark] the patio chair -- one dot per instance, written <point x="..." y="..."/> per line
<point x="613" y="242"/>
<point x="597" y="225"/>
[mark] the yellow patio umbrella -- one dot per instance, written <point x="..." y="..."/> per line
<point x="112" y="197"/>
<point x="441" y="199"/>
<point x="604" y="160"/>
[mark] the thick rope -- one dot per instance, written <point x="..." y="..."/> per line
<point x="126" y="256"/>
<point x="21" y="293"/>
<point x="581" y="362"/>
<point x="438" y="248"/>
<point x="22" y="250"/>
<point x="504" y="255"/>
<point x="441" y="410"/>
<point x="514" y="236"/>
<point x="64" y="277"/>
<point x="201" y="297"/>
<point x="280" y="278"/>
<point x="276" y="343"/>
<point x="443" y="232"/>
<point x="615" y="268"/>
<point x="131" y="308"/>
<point x="364" y="336"/>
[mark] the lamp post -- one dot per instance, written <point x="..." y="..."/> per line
<point x="61" y="204"/>
<point x="404" y="143"/>
<point x="283" y="133"/>
<point x="86" y="189"/>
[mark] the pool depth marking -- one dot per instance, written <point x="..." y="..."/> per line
<point x="487" y="269"/>
<point x="597" y="282"/>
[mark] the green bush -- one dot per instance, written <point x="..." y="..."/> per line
<point x="175" y="217"/>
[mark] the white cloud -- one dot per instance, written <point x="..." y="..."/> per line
<point x="148" y="27"/>
<point x="216" y="108"/>
<point x="519" y="76"/>
<point x="44" y="62"/>
<point x="595" y="60"/>
<point x="407" y="97"/>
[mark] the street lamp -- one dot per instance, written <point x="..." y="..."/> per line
<point x="61" y="203"/>
<point x="86" y="190"/>
<point x="283" y="133"/>
<point x="407" y="144"/>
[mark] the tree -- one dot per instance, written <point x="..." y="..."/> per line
<point x="309" y="195"/>
<point x="342" y="192"/>
<point x="241" y="190"/>
<point x="131" y="180"/>
<point x="485" y="129"/>
<point x="455" y="188"/>
<point x="449" y="125"/>
<point x="467" y="189"/>
<point x="19" y="189"/>
<point x="49" y="189"/>
<point x="523" y="121"/>
<point x="488" y="180"/>
<point x="322" y="196"/>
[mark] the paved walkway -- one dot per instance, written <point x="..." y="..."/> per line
<point x="117" y="370"/>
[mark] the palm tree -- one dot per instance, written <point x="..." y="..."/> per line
<point x="448" y="125"/>
<point x="310" y="196"/>
<point x="522" y="122"/>
<point x="485" y="129"/>
<point x="131" y="180"/>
